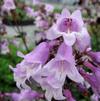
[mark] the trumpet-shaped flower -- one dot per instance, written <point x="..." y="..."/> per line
<point x="92" y="80"/>
<point x="67" y="26"/>
<point x="64" y="65"/>
<point x="95" y="56"/>
<point x="95" y="70"/>
<point x="52" y="86"/>
<point x="31" y="64"/>
<point x="54" y="73"/>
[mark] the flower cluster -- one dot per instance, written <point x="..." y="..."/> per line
<point x="64" y="58"/>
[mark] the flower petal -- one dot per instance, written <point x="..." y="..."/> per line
<point x="39" y="54"/>
<point x="78" y="16"/>
<point x="73" y="74"/>
<point x="83" y="40"/>
<point x="53" y="33"/>
<point x="69" y="39"/>
<point x="58" y="94"/>
<point x="65" y="53"/>
<point x="48" y="95"/>
<point x="65" y="13"/>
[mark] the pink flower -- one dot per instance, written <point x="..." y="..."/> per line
<point x="94" y="69"/>
<point x="64" y="65"/>
<point x="67" y="22"/>
<point x="53" y="74"/>
<point x="31" y="64"/>
<point x="92" y="80"/>
<point x="55" y="71"/>
<point x="52" y="86"/>
<point x="67" y="26"/>
<point x="95" y="56"/>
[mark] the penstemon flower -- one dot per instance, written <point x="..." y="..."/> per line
<point x="95" y="56"/>
<point x="67" y="26"/>
<point x="31" y="64"/>
<point x="64" y="65"/>
<point x="52" y="86"/>
<point x="92" y="79"/>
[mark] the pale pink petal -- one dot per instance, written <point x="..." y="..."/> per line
<point x="74" y="75"/>
<point x="78" y="16"/>
<point x="65" y="53"/>
<point x="52" y="33"/>
<point x="83" y="40"/>
<point x="59" y="94"/>
<point x="48" y="95"/>
<point x="69" y="39"/>
<point x="65" y="13"/>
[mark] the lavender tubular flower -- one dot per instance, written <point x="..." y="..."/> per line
<point x="92" y="80"/>
<point x="95" y="70"/>
<point x="31" y="64"/>
<point x="53" y="74"/>
<point x="52" y="86"/>
<point x="95" y="56"/>
<point x="67" y="26"/>
<point x="64" y="65"/>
